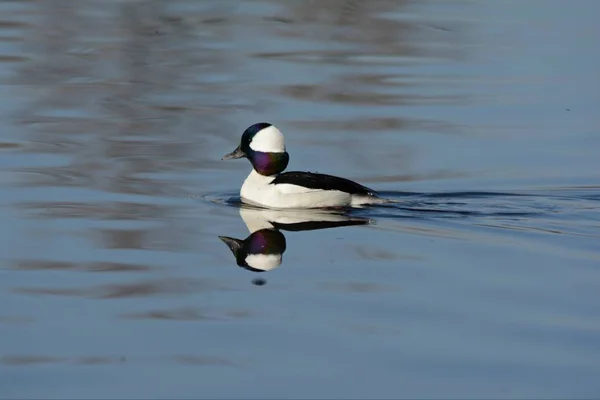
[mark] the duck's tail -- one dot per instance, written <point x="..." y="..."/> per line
<point x="373" y="200"/>
<point x="382" y="200"/>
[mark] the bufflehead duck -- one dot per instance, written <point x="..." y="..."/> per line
<point x="268" y="186"/>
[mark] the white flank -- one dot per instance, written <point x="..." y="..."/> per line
<point x="289" y="188"/>
<point x="257" y="190"/>
<point x="268" y="140"/>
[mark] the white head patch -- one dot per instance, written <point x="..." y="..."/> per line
<point x="268" y="140"/>
<point x="264" y="262"/>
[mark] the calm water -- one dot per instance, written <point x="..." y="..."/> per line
<point x="479" y="117"/>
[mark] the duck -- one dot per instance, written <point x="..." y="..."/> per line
<point x="269" y="186"/>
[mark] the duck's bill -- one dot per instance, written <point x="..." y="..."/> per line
<point x="233" y="244"/>
<point x="237" y="153"/>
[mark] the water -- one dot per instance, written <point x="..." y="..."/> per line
<point x="480" y="118"/>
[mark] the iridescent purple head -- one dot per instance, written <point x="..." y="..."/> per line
<point x="264" y="146"/>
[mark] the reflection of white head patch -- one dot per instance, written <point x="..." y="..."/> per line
<point x="264" y="262"/>
<point x="268" y="140"/>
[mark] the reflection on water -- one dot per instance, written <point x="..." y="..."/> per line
<point x="263" y="250"/>
<point x="479" y="118"/>
<point x="190" y="314"/>
<point x="146" y="288"/>
<point x="183" y="359"/>
<point x="41" y="359"/>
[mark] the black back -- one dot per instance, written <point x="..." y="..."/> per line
<point x="322" y="181"/>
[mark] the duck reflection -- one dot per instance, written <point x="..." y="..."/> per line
<point x="263" y="250"/>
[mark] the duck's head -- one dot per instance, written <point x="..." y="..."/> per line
<point x="260" y="252"/>
<point x="264" y="146"/>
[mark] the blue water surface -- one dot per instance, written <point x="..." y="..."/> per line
<point x="478" y="118"/>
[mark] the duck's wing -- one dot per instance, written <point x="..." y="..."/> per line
<point x="311" y="180"/>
